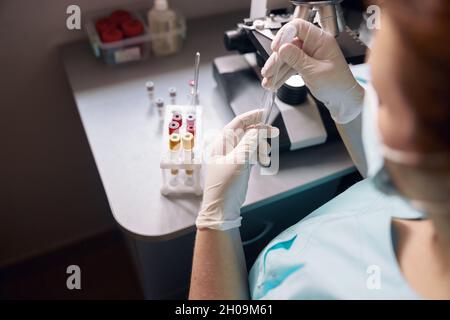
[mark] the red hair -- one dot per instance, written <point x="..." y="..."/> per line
<point x="424" y="69"/>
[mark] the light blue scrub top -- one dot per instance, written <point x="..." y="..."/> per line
<point x="336" y="251"/>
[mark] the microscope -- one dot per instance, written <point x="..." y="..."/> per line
<point x="303" y="120"/>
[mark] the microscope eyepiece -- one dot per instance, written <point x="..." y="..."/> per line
<point x="237" y="39"/>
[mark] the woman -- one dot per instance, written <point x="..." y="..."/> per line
<point x="387" y="237"/>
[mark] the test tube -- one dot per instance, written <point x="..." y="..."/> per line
<point x="194" y="101"/>
<point x="188" y="145"/>
<point x="191" y="129"/>
<point x="174" y="146"/>
<point x="173" y="95"/>
<point x="190" y="119"/>
<point x="150" y="86"/>
<point x="174" y="127"/>
<point x="188" y="141"/>
<point x="177" y="117"/>
<point x="174" y="142"/>
<point x="268" y="99"/>
<point x="193" y="98"/>
<point x="160" y="107"/>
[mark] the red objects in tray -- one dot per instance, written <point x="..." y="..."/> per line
<point x="111" y="35"/>
<point x="119" y="16"/>
<point x="104" y="24"/>
<point x="132" y="28"/>
<point x="120" y="24"/>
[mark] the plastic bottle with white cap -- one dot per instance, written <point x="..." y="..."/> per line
<point x="162" y="23"/>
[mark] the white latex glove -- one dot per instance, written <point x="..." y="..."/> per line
<point x="316" y="56"/>
<point x="228" y="171"/>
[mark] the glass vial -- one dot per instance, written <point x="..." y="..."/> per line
<point x="173" y="95"/>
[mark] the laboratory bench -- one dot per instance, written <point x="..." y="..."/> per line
<point x="124" y="134"/>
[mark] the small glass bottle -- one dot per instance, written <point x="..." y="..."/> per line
<point x="151" y="92"/>
<point x="160" y="107"/>
<point x="173" y="95"/>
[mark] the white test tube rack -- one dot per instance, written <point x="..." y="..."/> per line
<point x="181" y="160"/>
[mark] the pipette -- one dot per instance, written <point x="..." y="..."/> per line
<point x="194" y="90"/>
<point x="268" y="99"/>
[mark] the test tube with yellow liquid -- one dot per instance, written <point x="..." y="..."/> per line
<point x="188" y="146"/>
<point x="174" y="146"/>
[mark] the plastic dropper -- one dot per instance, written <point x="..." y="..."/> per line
<point x="268" y="99"/>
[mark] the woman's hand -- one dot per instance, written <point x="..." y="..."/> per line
<point x="228" y="171"/>
<point x="316" y="56"/>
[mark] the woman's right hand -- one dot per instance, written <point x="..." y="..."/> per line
<point x="316" y="56"/>
<point x="228" y="169"/>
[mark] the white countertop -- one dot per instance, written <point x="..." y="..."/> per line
<point x="124" y="136"/>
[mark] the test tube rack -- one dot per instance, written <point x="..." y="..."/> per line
<point x="182" y="161"/>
